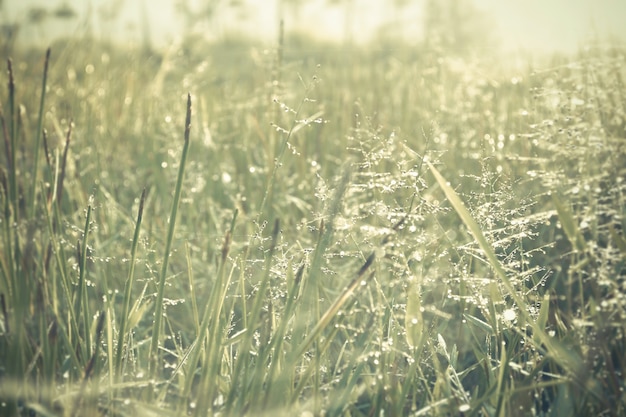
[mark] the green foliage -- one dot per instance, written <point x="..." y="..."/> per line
<point x="440" y="241"/>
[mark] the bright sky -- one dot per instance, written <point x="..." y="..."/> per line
<point x="537" y="25"/>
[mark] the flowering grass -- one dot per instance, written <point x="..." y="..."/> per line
<point x="232" y="229"/>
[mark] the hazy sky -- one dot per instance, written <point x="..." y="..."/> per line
<point x="556" y="24"/>
<point x="539" y="25"/>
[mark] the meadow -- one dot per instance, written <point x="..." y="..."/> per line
<point x="309" y="229"/>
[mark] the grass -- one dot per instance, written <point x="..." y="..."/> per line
<point x="231" y="229"/>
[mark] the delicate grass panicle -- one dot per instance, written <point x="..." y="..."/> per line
<point x="412" y="234"/>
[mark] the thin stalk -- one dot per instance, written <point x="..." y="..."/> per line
<point x="305" y="376"/>
<point x="90" y="366"/>
<point x="275" y="92"/>
<point x="501" y="383"/>
<point x="336" y="306"/>
<point x="61" y="176"/>
<point x="11" y="214"/>
<point x="192" y="289"/>
<point x="567" y="358"/>
<point x="38" y="133"/>
<point x="311" y="285"/>
<point x="210" y="319"/>
<point x="82" y="287"/>
<point x="58" y="253"/>
<point x="276" y="343"/>
<point x="10" y="271"/>
<point x="12" y="145"/>
<point x="240" y="373"/>
<point x="209" y="332"/>
<point x="269" y="188"/>
<point x="158" y="308"/>
<point x="121" y="339"/>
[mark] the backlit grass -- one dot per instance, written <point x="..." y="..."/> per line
<point x="243" y="229"/>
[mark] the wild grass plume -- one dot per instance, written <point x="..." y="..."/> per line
<point x="234" y="229"/>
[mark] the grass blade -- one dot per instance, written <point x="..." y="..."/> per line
<point x="471" y="224"/>
<point x="413" y="321"/>
<point x="332" y="311"/>
<point x="570" y="225"/>
<point x="565" y="357"/>
<point x="38" y="133"/>
<point x="121" y="339"/>
<point x="242" y="371"/>
<point x="208" y="330"/>
<point x="81" y="303"/>
<point x="158" y="308"/>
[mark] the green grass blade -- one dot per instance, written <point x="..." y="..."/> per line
<point x="192" y="289"/>
<point x="471" y="224"/>
<point x="272" y="394"/>
<point x="501" y="382"/>
<point x="82" y="303"/>
<point x="121" y="339"/>
<point x="336" y="306"/>
<point x="310" y="288"/>
<point x="208" y="331"/>
<point x="413" y="321"/>
<point x="158" y="308"/>
<point x="567" y="358"/>
<point x="544" y="310"/>
<point x="242" y="371"/>
<point x="570" y="226"/>
<point x="38" y="134"/>
<point x="11" y="142"/>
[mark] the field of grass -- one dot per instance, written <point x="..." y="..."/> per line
<point x="311" y="230"/>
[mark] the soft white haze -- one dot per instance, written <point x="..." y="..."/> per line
<point x="532" y="25"/>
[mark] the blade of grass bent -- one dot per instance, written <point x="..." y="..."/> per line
<point x="158" y="308"/>
<point x="471" y="224"/>
<point x="559" y="353"/>
<point x="336" y="306"/>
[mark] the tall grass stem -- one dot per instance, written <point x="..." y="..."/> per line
<point x="38" y="134"/>
<point x="158" y="308"/>
<point x="128" y="287"/>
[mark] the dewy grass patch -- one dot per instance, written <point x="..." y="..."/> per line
<point x="410" y="234"/>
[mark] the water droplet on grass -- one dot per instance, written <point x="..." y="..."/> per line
<point x="509" y="315"/>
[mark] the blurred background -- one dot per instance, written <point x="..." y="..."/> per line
<point x="537" y="26"/>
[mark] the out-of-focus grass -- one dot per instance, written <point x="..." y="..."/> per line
<point x="317" y="265"/>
